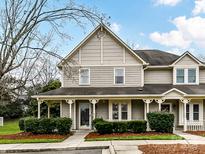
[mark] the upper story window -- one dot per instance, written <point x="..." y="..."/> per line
<point x="84" y="76"/>
<point x="180" y="75"/>
<point x="186" y="76"/>
<point x="119" y="75"/>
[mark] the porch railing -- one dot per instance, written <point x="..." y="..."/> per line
<point x="196" y="125"/>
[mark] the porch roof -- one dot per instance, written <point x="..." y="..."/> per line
<point x="148" y="89"/>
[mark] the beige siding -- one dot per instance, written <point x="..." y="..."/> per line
<point x="202" y="76"/>
<point x="113" y="53"/>
<point x="103" y="76"/>
<point x="158" y="77"/>
<point x="102" y="109"/>
<point x="137" y="110"/>
<point x="187" y="60"/>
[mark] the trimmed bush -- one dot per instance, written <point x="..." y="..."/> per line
<point x="138" y="126"/>
<point x="119" y="127"/>
<point x="161" y="121"/>
<point x="96" y="120"/>
<point x="46" y="125"/>
<point x="104" y="127"/>
<point x="63" y="125"/>
<point x="21" y="124"/>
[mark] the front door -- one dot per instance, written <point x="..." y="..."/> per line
<point x="84" y="115"/>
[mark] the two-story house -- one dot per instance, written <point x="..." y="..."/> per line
<point x="117" y="83"/>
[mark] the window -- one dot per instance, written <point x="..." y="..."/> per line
<point x="124" y="111"/>
<point x="192" y="75"/>
<point x="187" y="76"/>
<point x="166" y="107"/>
<point x="119" y="111"/>
<point x="187" y="112"/>
<point x="180" y="75"/>
<point x="119" y="75"/>
<point x="195" y="111"/>
<point x="84" y="76"/>
<point x="115" y="111"/>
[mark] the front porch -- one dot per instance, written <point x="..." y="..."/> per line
<point x="189" y="113"/>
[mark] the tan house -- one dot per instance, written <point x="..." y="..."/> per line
<point x="117" y="83"/>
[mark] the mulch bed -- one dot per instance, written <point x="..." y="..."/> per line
<point x="97" y="135"/>
<point x="200" y="133"/>
<point x="24" y="135"/>
<point x="172" y="149"/>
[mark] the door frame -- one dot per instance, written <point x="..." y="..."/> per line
<point x="79" y="114"/>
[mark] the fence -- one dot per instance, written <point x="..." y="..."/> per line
<point x="195" y="125"/>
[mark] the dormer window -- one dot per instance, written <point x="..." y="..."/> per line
<point x="186" y="75"/>
<point x="192" y="75"/>
<point x="180" y="75"/>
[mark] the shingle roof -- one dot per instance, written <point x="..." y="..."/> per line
<point x="147" y="89"/>
<point x="157" y="57"/>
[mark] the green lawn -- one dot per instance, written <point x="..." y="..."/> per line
<point x="10" y="127"/>
<point x="155" y="137"/>
<point x="9" y="141"/>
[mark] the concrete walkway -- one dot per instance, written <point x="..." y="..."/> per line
<point x="76" y="142"/>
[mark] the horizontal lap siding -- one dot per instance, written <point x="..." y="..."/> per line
<point x="187" y="60"/>
<point x="158" y="77"/>
<point x="202" y="76"/>
<point x="102" y="109"/>
<point x="137" y="110"/>
<point x="103" y="76"/>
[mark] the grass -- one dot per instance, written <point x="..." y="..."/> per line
<point x="154" y="137"/>
<point x="9" y="141"/>
<point x="10" y="127"/>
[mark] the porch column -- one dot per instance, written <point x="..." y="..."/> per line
<point x="94" y="101"/>
<point x="70" y="102"/>
<point x="185" y="102"/>
<point x="61" y="109"/>
<point x="39" y="108"/>
<point x="147" y="102"/>
<point x="159" y="101"/>
<point x="48" y="110"/>
<point x="74" y="117"/>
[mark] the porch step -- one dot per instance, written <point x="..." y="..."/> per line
<point x="105" y="151"/>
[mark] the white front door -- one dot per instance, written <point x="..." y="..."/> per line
<point x="84" y="116"/>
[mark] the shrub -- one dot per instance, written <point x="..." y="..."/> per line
<point x="21" y="124"/>
<point x="138" y="126"/>
<point x="119" y="127"/>
<point x="45" y="125"/>
<point x="161" y="121"/>
<point x="31" y="125"/>
<point x="104" y="127"/>
<point x="96" y="120"/>
<point x="63" y="125"/>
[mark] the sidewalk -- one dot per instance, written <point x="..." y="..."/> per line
<point x="76" y="142"/>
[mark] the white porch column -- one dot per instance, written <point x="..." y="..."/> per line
<point x="39" y="108"/>
<point x="70" y="102"/>
<point x="147" y="102"/>
<point x="61" y="109"/>
<point x="185" y="102"/>
<point x="48" y="110"/>
<point x="159" y="101"/>
<point x="94" y="101"/>
<point x="74" y="117"/>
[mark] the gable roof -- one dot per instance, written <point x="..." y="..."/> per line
<point x="192" y="56"/>
<point x="112" y="34"/>
<point x="157" y="57"/>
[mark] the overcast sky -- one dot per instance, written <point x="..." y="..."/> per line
<point x="170" y="25"/>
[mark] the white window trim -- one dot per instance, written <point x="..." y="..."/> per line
<point x="190" y="121"/>
<point x="115" y="68"/>
<point x="88" y="74"/>
<point x="185" y="75"/>
<point x="129" y="109"/>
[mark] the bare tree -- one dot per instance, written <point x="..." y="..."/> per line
<point x="22" y="43"/>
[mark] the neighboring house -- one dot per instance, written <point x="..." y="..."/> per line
<point x="117" y="83"/>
